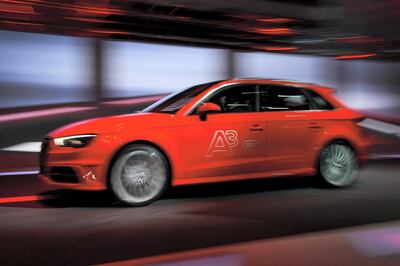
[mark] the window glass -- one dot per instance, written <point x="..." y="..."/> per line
<point x="281" y="98"/>
<point x="236" y="99"/>
<point x="319" y="102"/>
<point x="173" y="103"/>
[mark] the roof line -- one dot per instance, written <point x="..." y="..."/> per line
<point x="272" y="79"/>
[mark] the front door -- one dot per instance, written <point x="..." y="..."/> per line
<point x="230" y="144"/>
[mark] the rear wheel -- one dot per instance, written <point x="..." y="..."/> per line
<point x="338" y="165"/>
<point x="139" y="175"/>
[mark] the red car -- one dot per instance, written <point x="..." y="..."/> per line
<point x="226" y="130"/>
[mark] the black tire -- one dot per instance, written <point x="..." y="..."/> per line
<point x="337" y="165"/>
<point x="139" y="175"/>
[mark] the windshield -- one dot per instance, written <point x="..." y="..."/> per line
<point x="174" y="102"/>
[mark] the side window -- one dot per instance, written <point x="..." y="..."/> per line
<point x="281" y="98"/>
<point x="319" y="102"/>
<point x="236" y="99"/>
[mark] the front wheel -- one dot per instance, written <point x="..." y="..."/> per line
<point x="139" y="175"/>
<point x="338" y="165"/>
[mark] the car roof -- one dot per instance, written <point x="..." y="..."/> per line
<point x="292" y="83"/>
<point x="266" y="80"/>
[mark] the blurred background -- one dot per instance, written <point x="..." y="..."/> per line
<point x="64" y="61"/>
<point x="54" y="52"/>
<point x="42" y="69"/>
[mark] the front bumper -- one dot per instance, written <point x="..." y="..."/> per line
<point x="71" y="168"/>
<point x="85" y="178"/>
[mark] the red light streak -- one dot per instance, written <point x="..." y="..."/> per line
<point x="22" y="23"/>
<point x="24" y="198"/>
<point x="95" y="20"/>
<point x="277" y="48"/>
<point x="109" y="32"/>
<point x="16" y="8"/>
<point x="275" y="20"/>
<point x="274" y="31"/>
<point x="359" y="39"/>
<point x="354" y="56"/>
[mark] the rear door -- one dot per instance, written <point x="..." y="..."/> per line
<point x="289" y="126"/>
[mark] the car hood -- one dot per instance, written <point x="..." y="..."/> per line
<point x="110" y="124"/>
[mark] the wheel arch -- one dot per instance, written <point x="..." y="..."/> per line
<point x="144" y="142"/>
<point x="339" y="139"/>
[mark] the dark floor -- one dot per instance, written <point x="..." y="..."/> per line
<point x="77" y="228"/>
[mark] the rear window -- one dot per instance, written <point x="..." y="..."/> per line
<point x="319" y="102"/>
<point x="281" y="98"/>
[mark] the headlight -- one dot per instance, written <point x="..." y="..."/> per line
<point x="77" y="141"/>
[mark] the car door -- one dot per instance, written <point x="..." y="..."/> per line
<point x="289" y="127"/>
<point x="229" y="144"/>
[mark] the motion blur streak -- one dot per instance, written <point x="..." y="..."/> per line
<point x="221" y="259"/>
<point x="24" y="198"/>
<point x="277" y="48"/>
<point x="41" y="113"/>
<point x="274" y="31"/>
<point x="356" y="56"/>
<point x="275" y="20"/>
<point x="32" y="146"/>
<point x="134" y="100"/>
<point x="19" y="173"/>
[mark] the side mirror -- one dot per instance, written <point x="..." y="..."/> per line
<point x="207" y="108"/>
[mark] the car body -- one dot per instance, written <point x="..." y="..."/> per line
<point x="250" y="128"/>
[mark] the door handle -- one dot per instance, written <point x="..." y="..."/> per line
<point x="256" y="128"/>
<point x="314" y="125"/>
